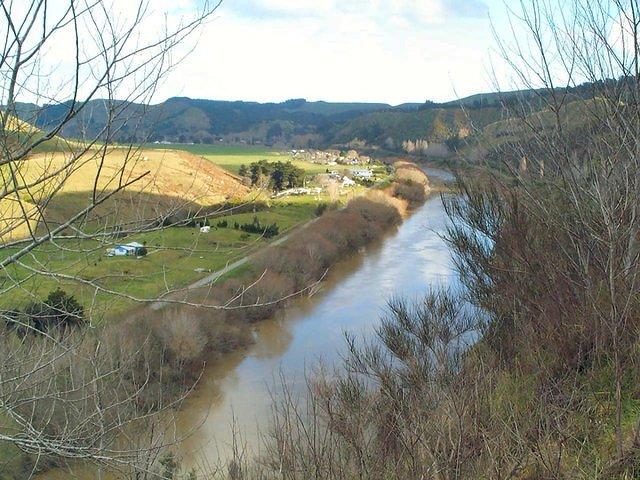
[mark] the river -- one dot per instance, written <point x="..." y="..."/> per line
<point x="237" y="392"/>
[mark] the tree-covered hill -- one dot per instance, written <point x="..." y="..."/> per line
<point x="297" y="122"/>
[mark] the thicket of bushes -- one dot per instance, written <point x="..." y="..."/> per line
<point x="55" y="314"/>
<point x="267" y="231"/>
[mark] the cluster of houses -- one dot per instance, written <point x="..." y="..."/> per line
<point x="298" y="191"/>
<point x="129" y="250"/>
<point x="354" y="158"/>
<point x="348" y="180"/>
<point x="331" y="157"/>
<point x="322" y="157"/>
<point x="344" y="181"/>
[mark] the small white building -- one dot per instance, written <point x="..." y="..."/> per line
<point x="130" y="249"/>
<point x="347" y="182"/>
<point x="362" y="173"/>
<point x="205" y="229"/>
<point x="119" y="251"/>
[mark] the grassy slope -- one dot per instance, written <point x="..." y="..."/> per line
<point x="173" y="179"/>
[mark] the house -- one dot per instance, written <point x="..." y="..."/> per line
<point x="205" y="229"/>
<point x="118" y="251"/>
<point x="130" y="249"/>
<point x="361" y="173"/>
<point x="347" y="182"/>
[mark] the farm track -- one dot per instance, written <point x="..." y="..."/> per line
<point x="214" y="276"/>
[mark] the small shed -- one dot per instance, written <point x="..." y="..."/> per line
<point x="347" y="182"/>
<point x="130" y="249"/>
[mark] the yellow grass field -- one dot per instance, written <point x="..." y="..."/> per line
<point x="171" y="179"/>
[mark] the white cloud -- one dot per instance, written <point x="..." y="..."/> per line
<point x="353" y="50"/>
<point x="379" y="11"/>
<point x="338" y="50"/>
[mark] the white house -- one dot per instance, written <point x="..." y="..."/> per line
<point x="363" y="173"/>
<point x="347" y="182"/>
<point x="129" y="249"/>
<point x="119" y="251"/>
<point x="205" y="229"/>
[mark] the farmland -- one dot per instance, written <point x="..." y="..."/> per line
<point x="168" y="180"/>
<point x="177" y="255"/>
<point x="231" y="157"/>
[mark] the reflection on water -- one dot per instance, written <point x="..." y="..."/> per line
<point x="236" y="391"/>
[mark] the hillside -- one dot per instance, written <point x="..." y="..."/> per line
<point x="203" y="121"/>
<point x="176" y="180"/>
<point x="297" y="123"/>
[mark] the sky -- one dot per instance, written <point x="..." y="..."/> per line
<point x="391" y="51"/>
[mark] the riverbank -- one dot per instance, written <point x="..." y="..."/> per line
<point x="165" y="354"/>
<point x="234" y="399"/>
<point x="216" y="318"/>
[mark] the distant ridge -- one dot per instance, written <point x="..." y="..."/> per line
<point x="292" y="123"/>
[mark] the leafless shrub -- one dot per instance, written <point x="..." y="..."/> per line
<point x="183" y="335"/>
<point x="396" y="411"/>
<point x="414" y="193"/>
<point x="410" y="172"/>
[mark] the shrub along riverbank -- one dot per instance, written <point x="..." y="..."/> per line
<point x="142" y="366"/>
<point x="191" y="335"/>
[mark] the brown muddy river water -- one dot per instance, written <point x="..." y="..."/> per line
<point x="237" y="392"/>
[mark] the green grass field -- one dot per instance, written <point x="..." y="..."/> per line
<point x="174" y="255"/>
<point x="231" y="157"/>
<point x="178" y="256"/>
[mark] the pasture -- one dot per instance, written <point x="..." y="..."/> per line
<point x="230" y="157"/>
<point x="177" y="257"/>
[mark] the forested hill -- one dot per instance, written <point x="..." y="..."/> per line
<point x="206" y="121"/>
<point x="294" y="123"/>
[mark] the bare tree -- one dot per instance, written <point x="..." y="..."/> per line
<point x="581" y="130"/>
<point x="90" y="68"/>
<point x="551" y="245"/>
